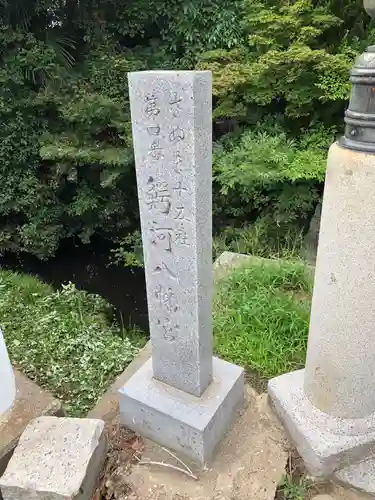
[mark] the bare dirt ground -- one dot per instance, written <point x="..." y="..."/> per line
<point x="123" y="448"/>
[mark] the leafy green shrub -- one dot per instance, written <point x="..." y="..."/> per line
<point x="199" y="25"/>
<point x="129" y="251"/>
<point x="294" y="59"/>
<point x="261" y="316"/>
<point x="64" y="340"/>
<point x="66" y="149"/>
<point x="58" y="152"/>
<point x="270" y="178"/>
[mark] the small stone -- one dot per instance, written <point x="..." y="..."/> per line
<point x="56" y="459"/>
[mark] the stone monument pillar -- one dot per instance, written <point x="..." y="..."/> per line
<point x="183" y="398"/>
<point x="7" y="384"/>
<point x="329" y="408"/>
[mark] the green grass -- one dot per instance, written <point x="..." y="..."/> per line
<point x="64" y="340"/>
<point x="263" y="238"/>
<point x="293" y="489"/>
<point x="261" y="316"/>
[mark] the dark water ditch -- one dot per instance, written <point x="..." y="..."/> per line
<point x="90" y="269"/>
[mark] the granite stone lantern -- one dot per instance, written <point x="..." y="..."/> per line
<point x="329" y="407"/>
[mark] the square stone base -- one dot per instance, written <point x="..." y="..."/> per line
<point x="325" y="443"/>
<point x="184" y="423"/>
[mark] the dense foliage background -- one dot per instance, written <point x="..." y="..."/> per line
<point x="280" y="88"/>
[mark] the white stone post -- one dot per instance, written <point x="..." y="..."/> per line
<point x="7" y="380"/>
<point x="329" y="408"/>
<point x="183" y="398"/>
<point x="340" y="365"/>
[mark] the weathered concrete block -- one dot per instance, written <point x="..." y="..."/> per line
<point x="178" y="420"/>
<point x="56" y="459"/>
<point x="326" y="443"/>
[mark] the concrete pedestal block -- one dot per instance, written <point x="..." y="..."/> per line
<point x="325" y="443"/>
<point x="185" y="423"/>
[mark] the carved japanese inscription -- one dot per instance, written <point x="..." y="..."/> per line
<point x="171" y="117"/>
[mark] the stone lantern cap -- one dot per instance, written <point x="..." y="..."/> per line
<point x="360" y="115"/>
